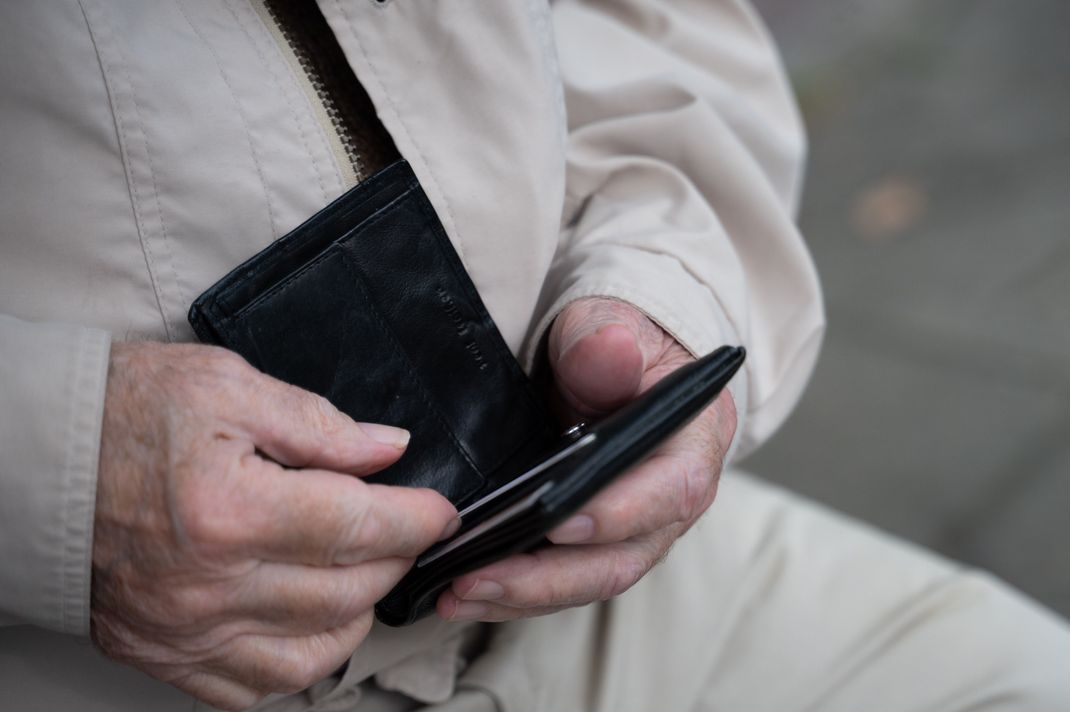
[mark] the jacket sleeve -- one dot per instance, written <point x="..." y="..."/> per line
<point x="684" y="167"/>
<point x="52" y="380"/>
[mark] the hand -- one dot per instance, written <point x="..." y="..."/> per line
<point x="215" y="568"/>
<point x="603" y="354"/>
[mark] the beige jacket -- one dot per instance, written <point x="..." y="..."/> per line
<point x="644" y="150"/>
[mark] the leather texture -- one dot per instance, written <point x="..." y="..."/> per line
<point x="591" y="459"/>
<point x="368" y="305"/>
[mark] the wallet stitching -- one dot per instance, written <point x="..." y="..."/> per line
<point x="284" y="247"/>
<point x="413" y="372"/>
<point x="279" y="288"/>
<point x="505" y="356"/>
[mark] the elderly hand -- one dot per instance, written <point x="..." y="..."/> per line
<point x="603" y="354"/>
<point x="215" y="568"/>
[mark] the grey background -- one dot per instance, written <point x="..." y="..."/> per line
<point x="938" y="212"/>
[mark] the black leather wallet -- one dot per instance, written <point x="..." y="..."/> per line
<point x="368" y="304"/>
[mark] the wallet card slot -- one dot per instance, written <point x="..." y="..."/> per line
<point x="424" y="394"/>
<point x="354" y="367"/>
<point x="417" y="282"/>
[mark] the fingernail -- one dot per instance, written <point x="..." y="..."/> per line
<point x="485" y="591"/>
<point x="469" y="611"/>
<point x="386" y="434"/>
<point x="576" y="530"/>
<point x="451" y="528"/>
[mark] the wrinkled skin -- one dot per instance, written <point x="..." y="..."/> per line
<point x="217" y="569"/>
<point x="603" y="354"/>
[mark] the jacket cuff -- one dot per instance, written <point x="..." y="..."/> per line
<point x="660" y="287"/>
<point x="52" y="381"/>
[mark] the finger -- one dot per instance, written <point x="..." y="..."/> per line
<point x="281" y="664"/>
<point x="452" y="608"/>
<point x="301" y="429"/>
<point x="599" y="349"/>
<point x="662" y="491"/>
<point x="674" y="485"/>
<point x="323" y="518"/>
<point x="219" y="691"/>
<point x="287" y="599"/>
<point x="558" y="576"/>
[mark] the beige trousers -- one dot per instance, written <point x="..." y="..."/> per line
<point x="770" y="604"/>
<point x="774" y="604"/>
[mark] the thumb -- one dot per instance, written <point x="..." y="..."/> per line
<point x="599" y="349"/>
<point x="301" y="429"/>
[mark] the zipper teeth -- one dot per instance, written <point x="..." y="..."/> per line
<point x="334" y="139"/>
<point x="336" y="93"/>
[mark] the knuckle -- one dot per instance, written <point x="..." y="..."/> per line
<point x="321" y="415"/>
<point x="553" y="591"/>
<point x="609" y="586"/>
<point x="291" y="679"/>
<point x="621" y="573"/>
<point x="297" y="673"/>
<point x="556" y="583"/>
<point x="693" y="484"/>
<point x="624" y="573"/>
<point x="334" y="606"/>
<point x="324" y="423"/>
<point x="725" y="408"/>
<point x="205" y="525"/>
<point x="207" y="487"/>
<point x="226" y="363"/>
<point x="320" y="666"/>
<point x="282" y="677"/>
<point x="713" y="431"/>
<point x="198" y="523"/>
<point x="366" y="530"/>
<point x="338" y="606"/>
<point x="220" y="370"/>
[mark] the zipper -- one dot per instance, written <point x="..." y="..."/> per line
<point x="360" y="143"/>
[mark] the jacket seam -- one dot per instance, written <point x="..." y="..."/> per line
<point x="254" y="154"/>
<point x="70" y="386"/>
<point x="295" y="114"/>
<point x="151" y="167"/>
<point x="86" y="420"/>
<point x="132" y="191"/>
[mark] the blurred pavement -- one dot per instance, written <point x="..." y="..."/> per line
<point x="938" y="212"/>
